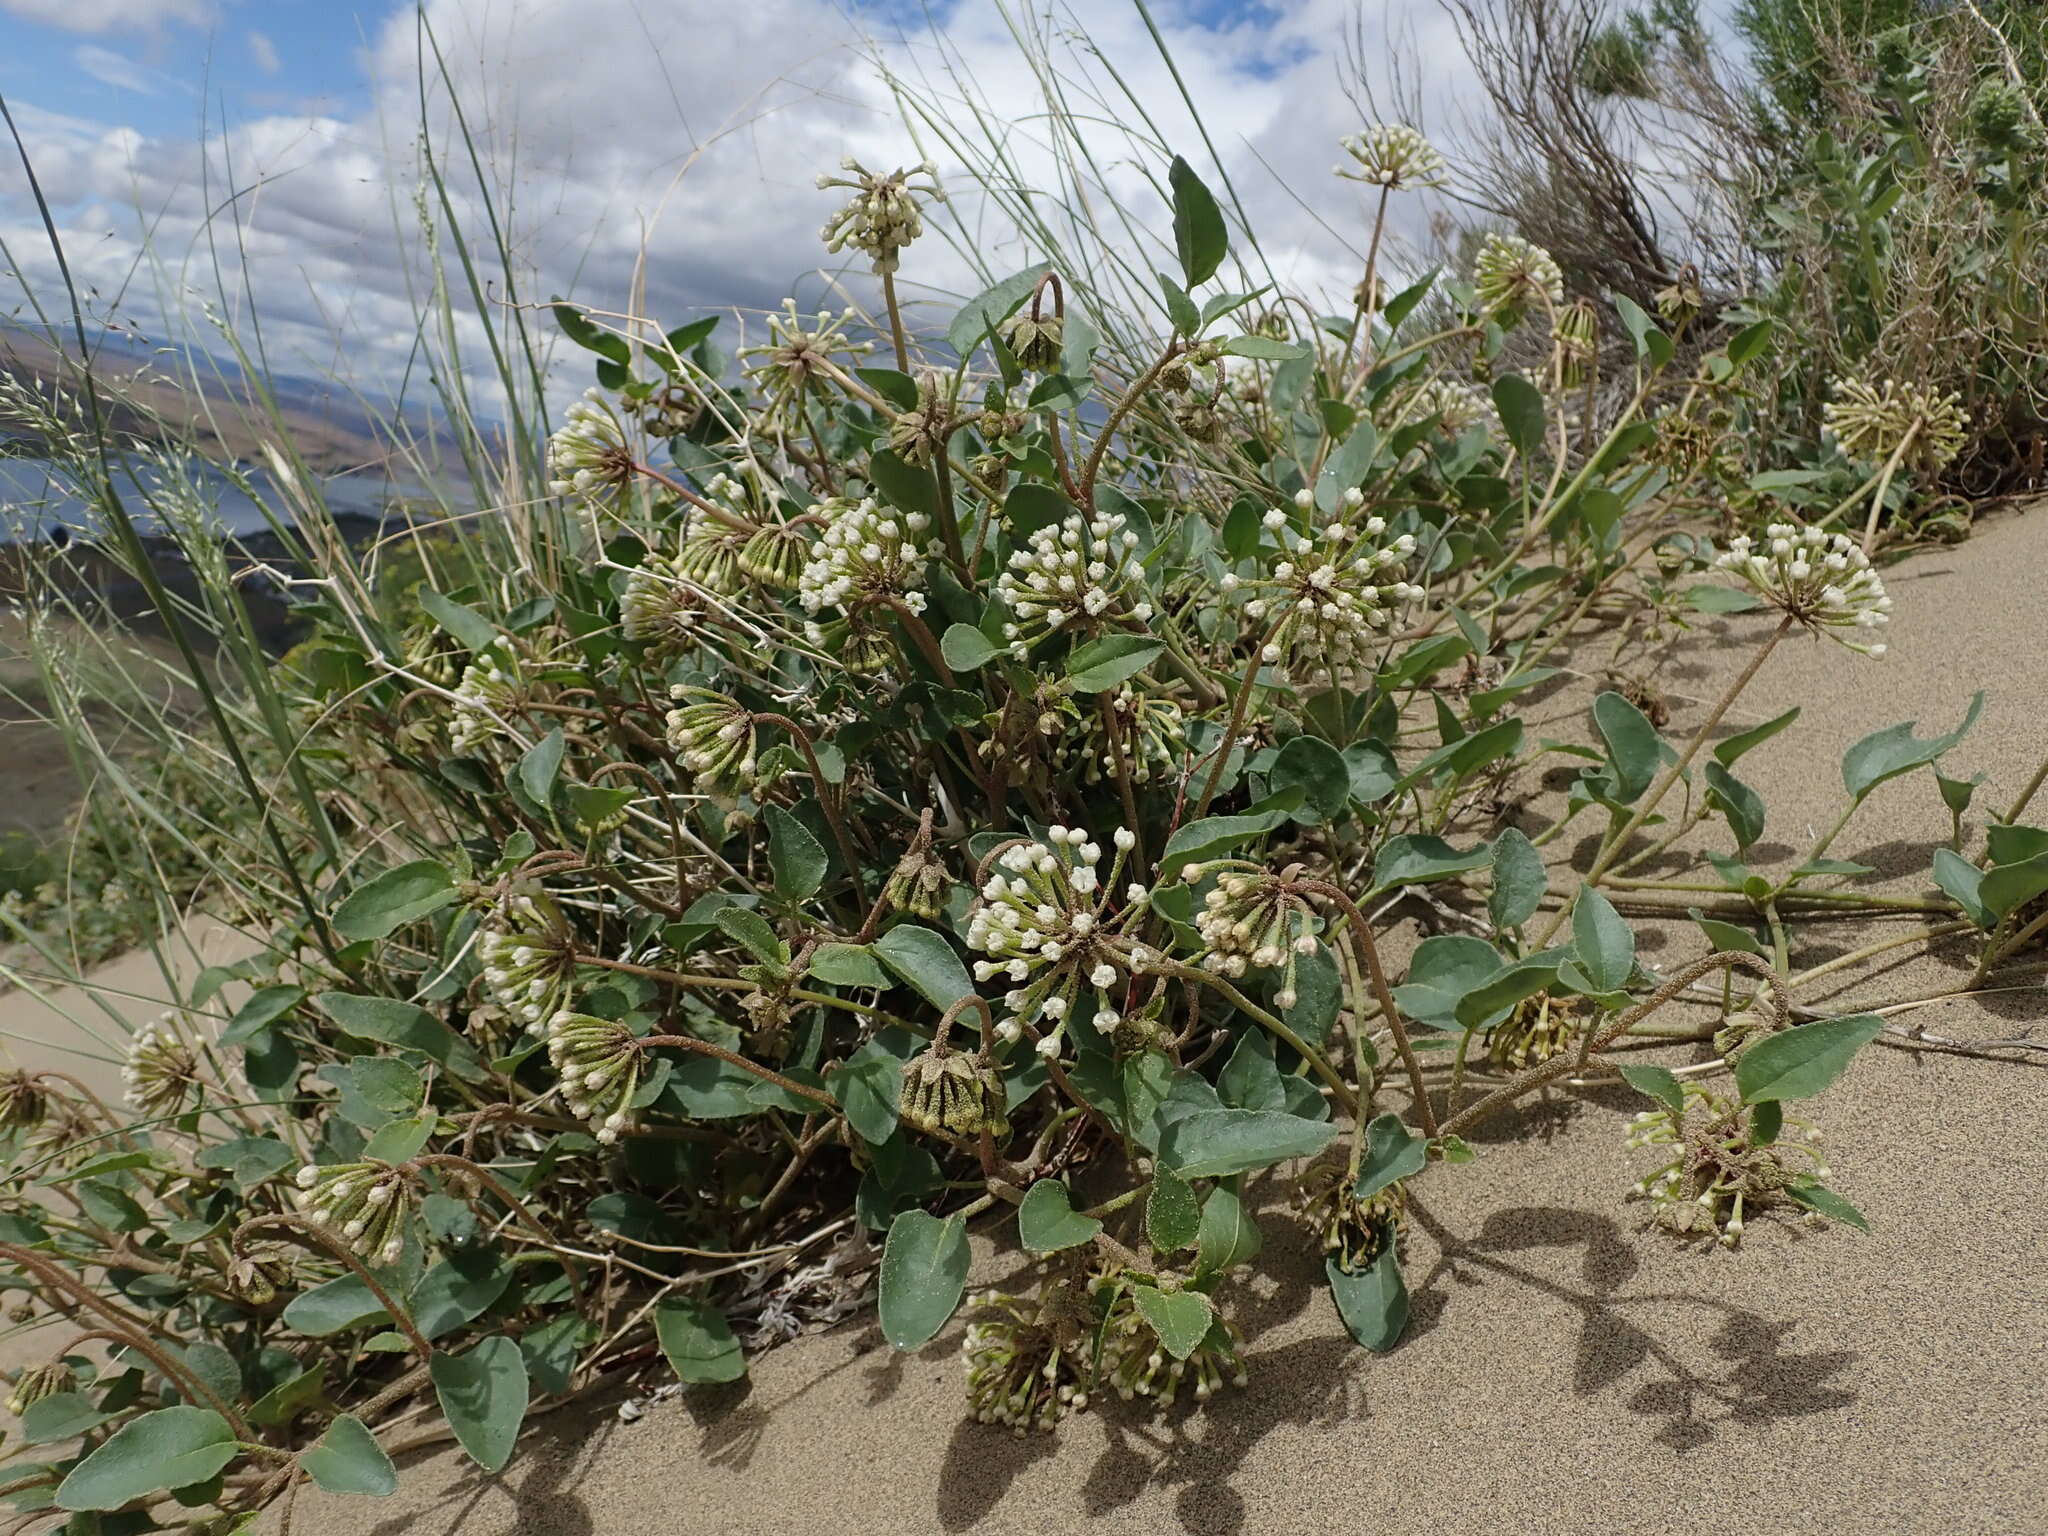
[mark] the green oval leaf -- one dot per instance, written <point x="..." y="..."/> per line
<point x="967" y="648"/>
<point x="698" y="1342"/>
<point x="925" y="962"/>
<point x="1798" y="1063"/>
<point x="1373" y="1302"/>
<point x="924" y="1272"/>
<point x="1229" y="1237"/>
<point x="1172" y="1218"/>
<point x="348" y="1459"/>
<point x="484" y="1395"/>
<point x="377" y="908"/>
<point x="1519" y="882"/>
<point x="1659" y="1083"/>
<point x="1199" y="235"/>
<point x="1392" y="1153"/>
<point x="1047" y="1221"/>
<point x="1214" y="836"/>
<point x="1181" y="1319"/>
<point x="1103" y="663"/>
<point x="169" y="1449"/>
<point x="1604" y="943"/>
<point x="796" y="859"/>
<point x="1212" y="1143"/>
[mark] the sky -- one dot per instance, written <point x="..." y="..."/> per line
<point x="668" y="145"/>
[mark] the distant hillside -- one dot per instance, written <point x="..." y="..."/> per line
<point x="151" y="397"/>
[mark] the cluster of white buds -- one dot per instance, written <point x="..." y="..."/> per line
<point x="589" y="457"/>
<point x="800" y="363"/>
<point x="492" y="686"/>
<point x="1924" y="428"/>
<point x="161" y="1069"/>
<point x="599" y="1063"/>
<point x="1513" y="276"/>
<point x="713" y="737"/>
<point x="1329" y="596"/>
<point x="1454" y="404"/>
<point x="1253" y="920"/>
<point x="1135" y="1364"/>
<point x="1022" y="1370"/>
<point x="1392" y="155"/>
<point x="1052" y="924"/>
<point x="1716" y="1168"/>
<point x="370" y="1204"/>
<point x="527" y="957"/>
<point x="1821" y="579"/>
<point x="882" y="217"/>
<point x="662" y="608"/>
<point x="709" y="554"/>
<point x="868" y="555"/>
<point x="1149" y="739"/>
<point x="1074" y="574"/>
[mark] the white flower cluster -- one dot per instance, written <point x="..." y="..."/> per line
<point x="1329" y="596"/>
<point x="1071" y="573"/>
<point x="1926" y="428"/>
<point x="867" y="555"/>
<point x="526" y="958"/>
<point x="1512" y="275"/>
<point x="599" y="1063"/>
<point x="661" y="607"/>
<point x="588" y="457"/>
<point x="883" y="216"/>
<point x="1052" y="923"/>
<point x="1822" y="579"/>
<point x="371" y="1204"/>
<point x="161" y="1071"/>
<point x="1392" y="155"/>
<point x="491" y="684"/>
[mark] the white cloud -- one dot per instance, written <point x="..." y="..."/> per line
<point x="264" y="52"/>
<point x="94" y="16"/>
<point x="612" y="134"/>
<point x="115" y="69"/>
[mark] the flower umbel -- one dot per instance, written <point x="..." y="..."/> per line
<point x="1513" y="276"/>
<point x="161" y="1073"/>
<point x="1392" y="155"/>
<point x="371" y="1204"/>
<point x="797" y="364"/>
<point x="1873" y="422"/>
<point x="882" y="217"/>
<point x="1052" y="924"/>
<point x="868" y="555"/>
<point x="599" y="1064"/>
<point x="713" y="737"/>
<point x="1328" y="597"/>
<point x="588" y="457"/>
<point x="1717" y="1168"/>
<point x="1072" y="574"/>
<point x="1821" y="579"/>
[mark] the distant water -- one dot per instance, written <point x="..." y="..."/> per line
<point x="34" y="502"/>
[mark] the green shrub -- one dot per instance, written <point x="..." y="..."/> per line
<point x="906" y="780"/>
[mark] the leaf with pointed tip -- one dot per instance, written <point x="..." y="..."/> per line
<point x="1181" y="1319"/>
<point x="348" y="1459"/>
<point x="1800" y="1062"/>
<point x="1047" y="1221"/>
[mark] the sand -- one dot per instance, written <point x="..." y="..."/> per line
<point x="1567" y="1371"/>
